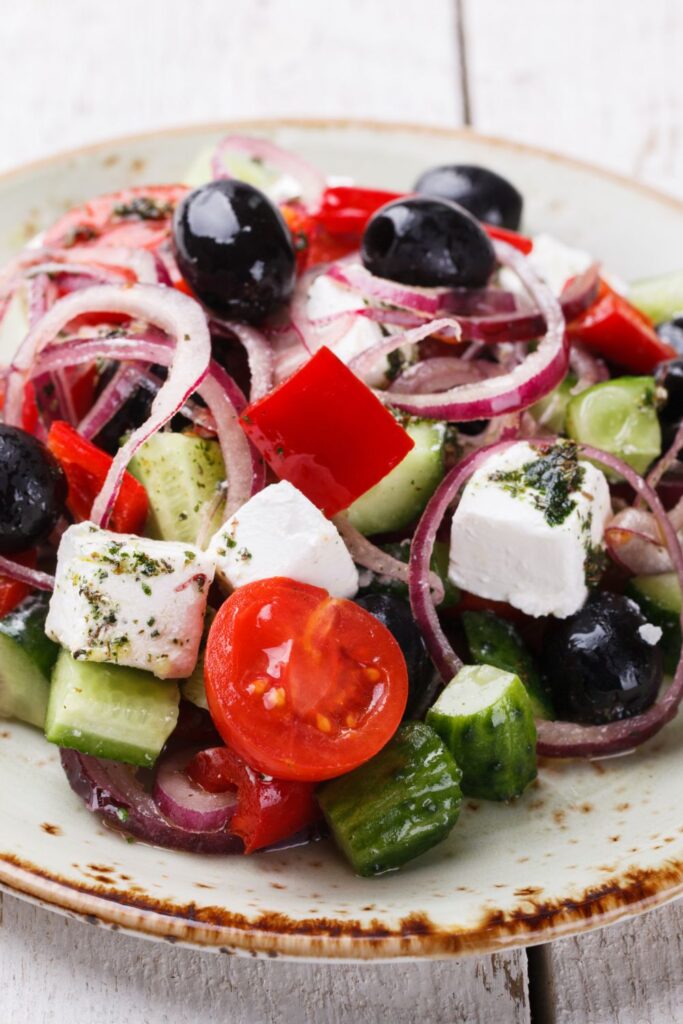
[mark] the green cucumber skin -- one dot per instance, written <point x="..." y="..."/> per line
<point x="659" y="599"/>
<point x="498" y="761"/>
<point x="109" y="711"/>
<point x="180" y="473"/>
<point x="619" y="416"/>
<point x="396" y="806"/>
<point x="27" y="657"/>
<point x="660" y="298"/>
<point x="398" y="499"/>
<point x="493" y="641"/>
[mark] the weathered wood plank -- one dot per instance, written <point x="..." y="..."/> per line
<point x="631" y="973"/>
<point x="53" y="970"/>
<point x="77" y="72"/>
<point x="600" y="81"/>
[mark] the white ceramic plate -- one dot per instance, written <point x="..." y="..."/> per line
<point x="587" y="844"/>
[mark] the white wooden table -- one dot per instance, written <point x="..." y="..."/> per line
<point x="599" y="80"/>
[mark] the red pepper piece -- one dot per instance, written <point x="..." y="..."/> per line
<point x="268" y="810"/>
<point x="326" y="432"/>
<point x="86" y="467"/>
<point x="615" y="329"/>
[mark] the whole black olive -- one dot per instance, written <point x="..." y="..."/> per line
<point x="487" y="195"/>
<point x="32" y="490"/>
<point x="603" y="663"/>
<point x="671" y="331"/>
<point x="669" y="376"/>
<point x="234" y="250"/>
<point x="396" y="615"/>
<point x="427" y="242"/>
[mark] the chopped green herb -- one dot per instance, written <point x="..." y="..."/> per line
<point x="552" y="478"/>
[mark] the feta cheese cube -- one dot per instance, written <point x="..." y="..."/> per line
<point x="130" y="600"/>
<point x="325" y="297"/>
<point x="552" y="260"/>
<point x="279" y="532"/>
<point x="519" y="537"/>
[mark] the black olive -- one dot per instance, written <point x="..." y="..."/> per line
<point x="487" y="195"/>
<point x="234" y="250"/>
<point x="600" y="664"/>
<point x="671" y="331"/>
<point x="669" y="376"/>
<point x="472" y="428"/>
<point x="396" y="615"/>
<point x="32" y="490"/>
<point x="427" y="242"/>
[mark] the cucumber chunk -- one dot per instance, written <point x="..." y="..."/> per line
<point x="400" y="497"/>
<point x="659" y="599"/>
<point x="493" y="641"/>
<point x="551" y="412"/>
<point x="180" y="473"/>
<point x="485" y="718"/>
<point x="396" y="806"/>
<point x="110" y="711"/>
<point x="26" y="660"/>
<point x="660" y="298"/>
<point x="618" y="416"/>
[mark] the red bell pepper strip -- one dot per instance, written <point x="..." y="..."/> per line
<point x="324" y="431"/>
<point x="268" y="810"/>
<point x="86" y="467"/>
<point x="513" y="238"/>
<point x="12" y="592"/>
<point x="346" y="209"/>
<point x="615" y="329"/>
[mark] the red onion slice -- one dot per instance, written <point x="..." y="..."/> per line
<point x="428" y="301"/>
<point x="442" y="372"/>
<point x="367" y="554"/>
<point x="115" y="792"/>
<point x="24" y="574"/>
<point x="555" y="739"/>
<point x="122" y="385"/>
<point x="235" y="449"/>
<point x="634" y="542"/>
<point x="540" y="372"/>
<point x="588" y="368"/>
<point x="311" y="181"/>
<point x="175" y="313"/>
<point x="259" y="355"/>
<point x="186" y="804"/>
<point x="366" y="361"/>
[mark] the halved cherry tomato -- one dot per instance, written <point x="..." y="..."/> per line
<point x="135" y="217"/>
<point x="302" y="685"/>
<point x="86" y="467"/>
<point x="268" y="810"/>
<point x="615" y="329"/>
<point x="12" y="592"/>
<point x="313" y="429"/>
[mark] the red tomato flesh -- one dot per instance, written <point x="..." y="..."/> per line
<point x="324" y="431"/>
<point x="86" y="467"/>
<point x="302" y="685"/>
<point x="136" y="218"/>
<point x="268" y="810"/>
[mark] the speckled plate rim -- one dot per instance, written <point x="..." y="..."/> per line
<point x="321" y="939"/>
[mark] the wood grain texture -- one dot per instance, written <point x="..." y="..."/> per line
<point x="79" y="71"/>
<point x="631" y="973"/>
<point x="599" y="81"/>
<point x="54" y="970"/>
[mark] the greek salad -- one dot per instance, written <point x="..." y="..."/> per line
<point x="323" y="507"/>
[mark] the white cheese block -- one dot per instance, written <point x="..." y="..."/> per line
<point x="326" y="297"/>
<point x="553" y="261"/>
<point x="130" y="600"/>
<point x="503" y="547"/>
<point x="279" y="532"/>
